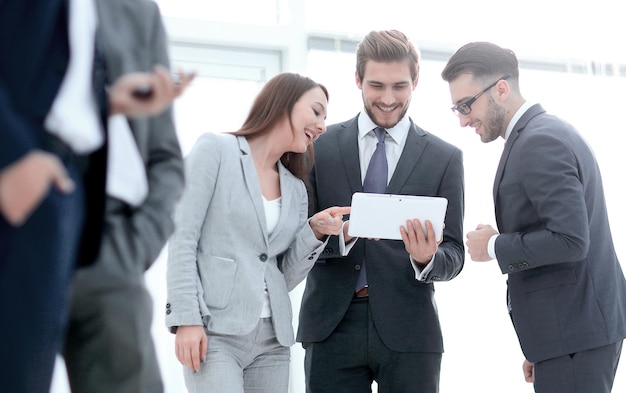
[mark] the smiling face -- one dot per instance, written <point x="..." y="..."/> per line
<point x="487" y="116"/>
<point x="386" y="89"/>
<point x="308" y="119"/>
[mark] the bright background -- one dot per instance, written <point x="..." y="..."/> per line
<point x="573" y="63"/>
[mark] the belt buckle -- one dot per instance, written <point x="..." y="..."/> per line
<point x="363" y="292"/>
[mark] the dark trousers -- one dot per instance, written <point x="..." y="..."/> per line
<point x="354" y="356"/>
<point x="582" y="372"/>
<point x="36" y="264"/>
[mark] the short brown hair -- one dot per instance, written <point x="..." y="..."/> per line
<point x="387" y="46"/>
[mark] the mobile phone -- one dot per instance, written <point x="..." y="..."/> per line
<point x="143" y="92"/>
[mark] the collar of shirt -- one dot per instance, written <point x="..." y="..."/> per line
<point x="522" y="109"/>
<point x="398" y="132"/>
<point x="394" y="145"/>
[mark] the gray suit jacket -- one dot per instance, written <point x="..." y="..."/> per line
<point x="567" y="290"/>
<point x="134" y="39"/>
<point x="221" y="256"/>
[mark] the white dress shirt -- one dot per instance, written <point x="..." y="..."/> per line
<point x="74" y="114"/>
<point x="126" y="171"/>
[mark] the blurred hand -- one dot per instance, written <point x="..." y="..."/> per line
<point x="25" y="183"/>
<point x="529" y="371"/>
<point x="420" y="246"/>
<point x="328" y="221"/>
<point x="477" y="242"/>
<point x="162" y="91"/>
<point x="191" y="345"/>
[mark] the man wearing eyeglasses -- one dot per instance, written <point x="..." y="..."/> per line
<point x="566" y="290"/>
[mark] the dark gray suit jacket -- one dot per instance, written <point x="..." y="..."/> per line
<point x="403" y="308"/>
<point x="567" y="290"/>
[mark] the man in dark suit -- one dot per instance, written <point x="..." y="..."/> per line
<point x="386" y="328"/>
<point x="109" y="345"/>
<point x="52" y="177"/>
<point x="566" y="290"/>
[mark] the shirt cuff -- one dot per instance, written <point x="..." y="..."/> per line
<point x="491" y="246"/>
<point x="344" y="249"/>
<point x="420" y="274"/>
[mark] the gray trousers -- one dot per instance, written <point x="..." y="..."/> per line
<point x="254" y="362"/>
<point x="109" y="346"/>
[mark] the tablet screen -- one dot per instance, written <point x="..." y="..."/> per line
<point x="380" y="216"/>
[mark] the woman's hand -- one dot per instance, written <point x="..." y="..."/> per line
<point x="328" y="222"/>
<point x="191" y="345"/>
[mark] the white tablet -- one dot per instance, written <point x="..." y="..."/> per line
<point x="380" y="216"/>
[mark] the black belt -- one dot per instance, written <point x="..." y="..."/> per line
<point x="55" y="145"/>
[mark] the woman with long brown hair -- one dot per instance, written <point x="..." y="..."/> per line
<point x="243" y="241"/>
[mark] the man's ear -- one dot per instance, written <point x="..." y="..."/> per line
<point x="503" y="89"/>
<point x="357" y="79"/>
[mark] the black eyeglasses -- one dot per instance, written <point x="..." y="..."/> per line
<point x="465" y="108"/>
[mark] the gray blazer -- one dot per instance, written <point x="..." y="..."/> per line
<point x="133" y="39"/>
<point x="567" y="290"/>
<point x="221" y="256"/>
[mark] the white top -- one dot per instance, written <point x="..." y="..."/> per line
<point x="272" y="214"/>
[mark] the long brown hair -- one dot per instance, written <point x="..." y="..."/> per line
<point x="275" y="101"/>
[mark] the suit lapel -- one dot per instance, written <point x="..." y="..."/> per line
<point x="413" y="148"/>
<point x="519" y="126"/>
<point x="252" y="184"/>
<point x="347" y="140"/>
<point x="286" y="191"/>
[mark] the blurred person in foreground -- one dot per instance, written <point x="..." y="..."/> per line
<point x="109" y="346"/>
<point x="53" y="164"/>
<point x="243" y="241"/>
<point x="566" y="289"/>
<point x="371" y="315"/>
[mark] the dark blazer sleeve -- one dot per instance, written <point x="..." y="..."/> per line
<point x="544" y="171"/>
<point x="33" y="57"/>
<point x="16" y="137"/>
<point x="450" y="256"/>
